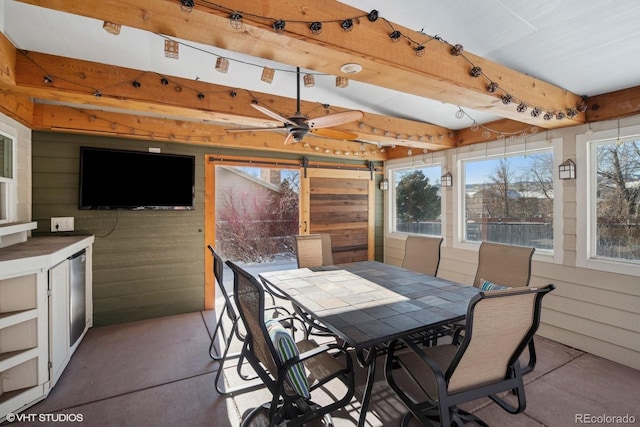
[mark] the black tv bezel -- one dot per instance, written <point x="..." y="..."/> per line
<point x="136" y="207"/>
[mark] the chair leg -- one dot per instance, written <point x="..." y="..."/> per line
<point x="214" y="353"/>
<point x="532" y="358"/>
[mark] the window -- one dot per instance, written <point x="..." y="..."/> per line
<point x="509" y="199"/>
<point x="615" y="199"/>
<point x="416" y="202"/>
<point x="7" y="181"/>
<point x="256" y="212"/>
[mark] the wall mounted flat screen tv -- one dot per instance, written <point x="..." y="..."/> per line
<point x="119" y="179"/>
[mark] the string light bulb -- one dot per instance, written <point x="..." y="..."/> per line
<point x="460" y="114"/>
<point x="457" y="50"/>
<point x="347" y="25"/>
<point x="186" y="5"/>
<point x="235" y="20"/>
<point x="267" y="75"/>
<point x="279" y="26"/>
<point x="316" y="27"/>
<point x="395" y="36"/>
<point x="309" y="80"/>
<point x="171" y="49"/>
<point x="222" y="65"/>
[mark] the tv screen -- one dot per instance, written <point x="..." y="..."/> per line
<point x="119" y="179"/>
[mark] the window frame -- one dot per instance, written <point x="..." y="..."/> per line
<point x="497" y="149"/>
<point x="8" y="186"/>
<point x="586" y="201"/>
<point x="417" y="162"/>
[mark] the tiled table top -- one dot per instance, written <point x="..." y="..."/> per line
<point x="370" y="303"/>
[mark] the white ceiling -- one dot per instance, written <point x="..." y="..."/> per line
<point x="588" y="47"/>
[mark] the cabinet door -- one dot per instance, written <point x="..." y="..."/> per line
<point x="58" y="318"/>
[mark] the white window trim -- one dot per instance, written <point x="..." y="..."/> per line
<point x="497" y="149"/>
<point x="8" y="206"/>
<point x="426" y="160"/>
<point x="585" y="245"/>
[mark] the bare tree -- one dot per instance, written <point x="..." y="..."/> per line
<point x="502" y="177"/>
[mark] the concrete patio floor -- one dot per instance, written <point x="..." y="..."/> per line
<point x="158" y="372"/>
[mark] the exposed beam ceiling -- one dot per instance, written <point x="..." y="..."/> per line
<point x="437" y="75"/>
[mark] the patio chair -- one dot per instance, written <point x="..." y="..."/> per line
<point x="313" y="250"/>
<point x="422" y="254"/>
<point x="222" y="354"/>
<point x="282" y="363"/>
<point x="501" y="265"/>
<point x="433" y="381"/>
<point x="505" y="265"/>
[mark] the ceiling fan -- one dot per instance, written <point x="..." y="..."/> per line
<point x="299" y="125"/>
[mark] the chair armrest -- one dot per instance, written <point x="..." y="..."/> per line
<point x="433" y="365"/>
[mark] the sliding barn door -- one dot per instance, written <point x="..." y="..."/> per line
<point x="342" y="204"/>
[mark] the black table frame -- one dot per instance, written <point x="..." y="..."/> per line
<point x="368" y="304"/>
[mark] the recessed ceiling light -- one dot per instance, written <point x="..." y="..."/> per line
<point x="351" y="68"/>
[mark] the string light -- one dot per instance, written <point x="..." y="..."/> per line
<point x="222" y="65"/>
<point x="235" y="20"/>
<point x="316" y="27"/>
<point x="267" y="75"/>
<point x="279" y="25"/>
<point x="347" y="25"/>
<point x="171" y="49"/>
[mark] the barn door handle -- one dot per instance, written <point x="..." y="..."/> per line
<point x="305" y="227"/>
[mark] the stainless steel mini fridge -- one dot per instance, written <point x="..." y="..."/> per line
<point x="77" y="296"/>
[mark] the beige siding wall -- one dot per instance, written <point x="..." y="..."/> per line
<point x="592" y="310"/>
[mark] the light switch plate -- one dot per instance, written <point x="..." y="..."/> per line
<point x="62" y="223"/>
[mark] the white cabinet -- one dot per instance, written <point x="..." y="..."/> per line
<point x="58" y="319"/>
<point x="35" y="316"/>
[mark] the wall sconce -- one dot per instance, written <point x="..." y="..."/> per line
<point x="384" y="184"/>
<point x="446" y="180"/>
<point x="567" y="170"/>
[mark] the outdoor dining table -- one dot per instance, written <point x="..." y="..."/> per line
<point x="368" y="304"/>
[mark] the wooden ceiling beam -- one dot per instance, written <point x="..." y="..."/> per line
<point x="57" y="118"/>
<point x="614" y="105"/>
<point x="437" y="75"/>
<point x="78" y="82"/>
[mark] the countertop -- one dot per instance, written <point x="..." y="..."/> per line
<point x="40" y="252"/>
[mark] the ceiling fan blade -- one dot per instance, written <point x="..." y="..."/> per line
<point x="255" y="129"/>
<point x="334" y="134"/>
<point x="335" y="119"/>
<point x="272" y="114"/>
<point x="288" y="139"/>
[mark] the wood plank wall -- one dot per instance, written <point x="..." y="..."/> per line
<point x="340" y="208"/>
<point x="145" y="264"/>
